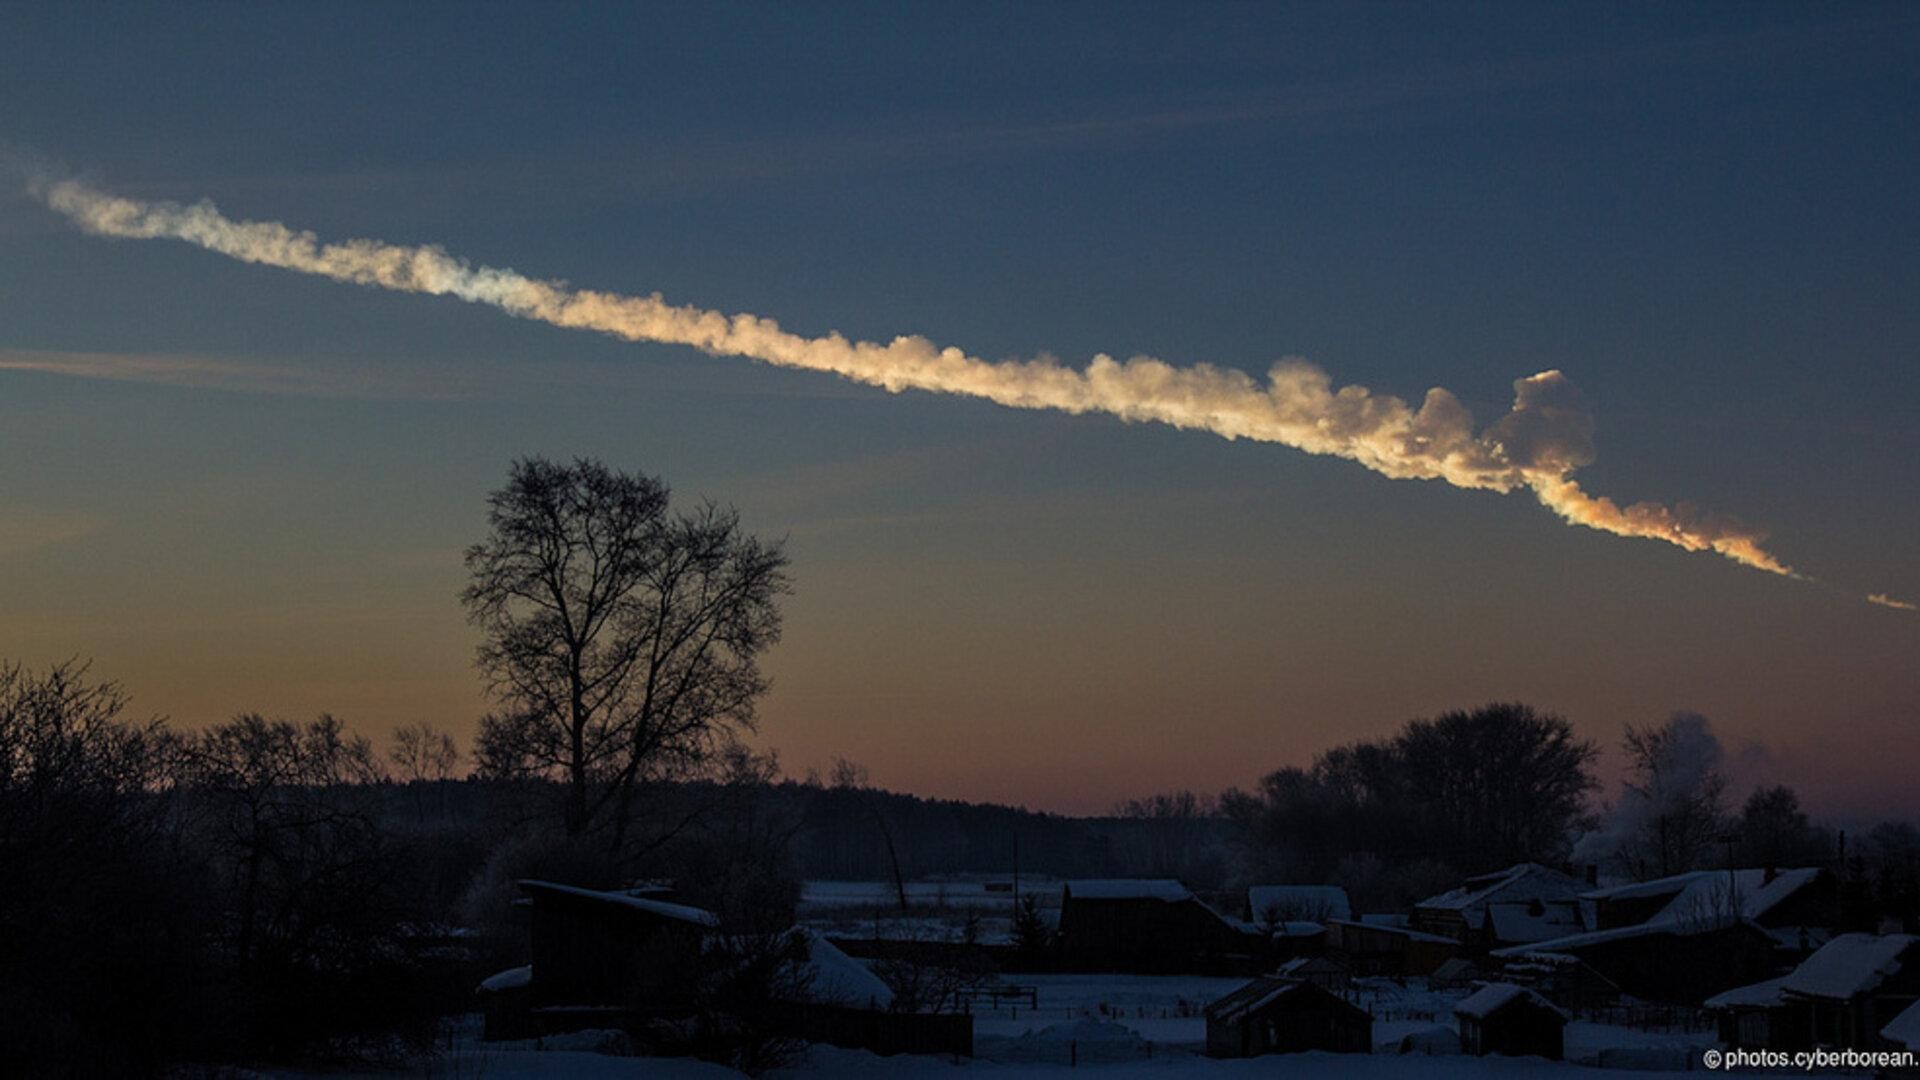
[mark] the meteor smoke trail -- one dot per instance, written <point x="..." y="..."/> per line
<point x="1536" y="446"/>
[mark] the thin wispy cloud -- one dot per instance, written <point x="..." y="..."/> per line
<point x="1884" y="600"/>
<point x="197" y="372"/>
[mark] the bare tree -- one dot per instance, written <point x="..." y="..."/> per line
<point x="421" y="753"/>
<point x="621" y="639"/>
<point x="1678" y="792"/>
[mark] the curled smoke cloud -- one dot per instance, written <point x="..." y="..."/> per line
<point x="1536" y="446"/>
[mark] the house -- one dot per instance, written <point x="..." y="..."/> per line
<point x="1502" y="1018"/>
<point x="1856" y="985"/>
<point x="1275" y="905"/>
<point x="1526" y="894"/>
<point x="1789" y="903"/>
<point x="1273" y="1015"/>
<point x="1680" y="963"/>
<point x="1687" y="937"/>
<point x="1524" y="922"/>
<point x="1850" y="992"/>
<point x="1149" y="926"/>
<point x="595" y="947"/>
<point x="1376" y="949"/>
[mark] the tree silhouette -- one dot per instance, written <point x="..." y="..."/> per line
<point x="621" y="639"/>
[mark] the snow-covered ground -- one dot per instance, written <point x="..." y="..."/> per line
<point x="1121" y="1027"/>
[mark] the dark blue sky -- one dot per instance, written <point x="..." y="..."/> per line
<point x="251" y="493"/>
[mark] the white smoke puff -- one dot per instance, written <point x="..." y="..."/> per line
<point x="1539" y="443"/>
<point x="1689" y="761"/>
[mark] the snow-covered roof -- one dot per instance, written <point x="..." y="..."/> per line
<point x="1165" y="889"/>
<point x="1493" y="997"/>
<point x="1526" y="921"/>
<point x="839" y="979"/>
<point x="1293" y="928"/>
<point x="1706" y="894"/>
<point x="1300" y="966"/>
<point x="1397" y="931"/>
<point x="510" y="979"/>
<point x="1762" y="994"/>
<point x="1905" y="1028"/>
<point x="662" y="908"/>
<point x="1849" y="965"/>
<point x="1520" y="882"/>
<point x="1299" y="902"/>
<point x="985" y="891"/>
<point x="1573" y="943"/>
<point x="1261" y="993"/>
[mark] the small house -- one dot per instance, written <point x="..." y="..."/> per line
<point x="1273" y="1015"/>
<point x="1502" y="1018"/>
<point x="609" y="948"/>
<point x="1855" y="986"/>
<point x="600" y="958"/>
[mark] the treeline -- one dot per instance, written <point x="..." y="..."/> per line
<point x="271" y="891"/>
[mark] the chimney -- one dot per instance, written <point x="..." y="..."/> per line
<point x="1593" y="874"/>
<point x="1772" y="872"/>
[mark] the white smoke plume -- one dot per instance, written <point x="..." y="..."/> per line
<point x="1536" y="446"/>
<point x="1672" y="799"/>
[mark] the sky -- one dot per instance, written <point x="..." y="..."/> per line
<point x="238" y="488"/>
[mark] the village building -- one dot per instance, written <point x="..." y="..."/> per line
<point x="1273" y="1015"/>
<point x="1850" y="992"/>
<point x="1379" y="949"/>
<point x="600" y="958"/>
<point x="1502" y="1018"/>
<point x="1855" y="986"/>
<point x="1679" y="963"/>
<point x="594" y="947"/>
<point x="1532" y="900"/>
<point x="1797" y="906"/>
<point x="1150" y="927"/>
<point x="1685" y="938"/>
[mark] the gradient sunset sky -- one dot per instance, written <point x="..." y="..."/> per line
<point x="242" y="489"/>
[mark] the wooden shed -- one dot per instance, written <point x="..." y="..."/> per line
<point x="1502" y="1018"/>
<point x="1274" y="1015"/>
